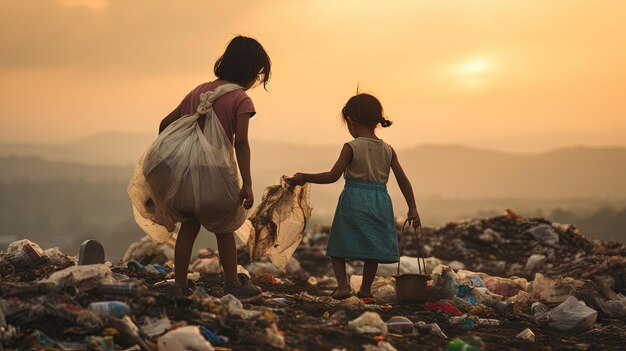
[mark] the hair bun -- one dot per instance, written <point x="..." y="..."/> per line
<point x="386" y="123"/>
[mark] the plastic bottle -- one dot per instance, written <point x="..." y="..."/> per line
<point x="457" y="344"/>
<point x="121" y="288"/>
<point x="488" y="321"/>
<point x="109" y="308"/>
<point x="400" y="324"/>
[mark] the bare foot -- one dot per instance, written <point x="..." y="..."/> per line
<point x="362" y="294"/>
<point x="341" y="293"/>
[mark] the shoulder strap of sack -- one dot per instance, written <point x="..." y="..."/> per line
<point x="212" y="95"/>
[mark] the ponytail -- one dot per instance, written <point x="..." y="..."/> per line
<point x="385" y="122"/>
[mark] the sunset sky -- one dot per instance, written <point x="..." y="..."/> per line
<point x="520" y="76"/>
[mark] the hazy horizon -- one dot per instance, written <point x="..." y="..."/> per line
<point x="148" y="135"/>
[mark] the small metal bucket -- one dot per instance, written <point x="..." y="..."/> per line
<point x="412" y="287"/>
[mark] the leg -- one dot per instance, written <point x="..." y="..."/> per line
<point x="182" y="251"/>
<point x="238" y="286"/>
<point x="369" y="273"/>
<point x="343" y="288"/>
<point x="227" y="248"/>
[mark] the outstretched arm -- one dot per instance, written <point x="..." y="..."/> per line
<point x="407" y="190"/>
<point x="345" y="157"/>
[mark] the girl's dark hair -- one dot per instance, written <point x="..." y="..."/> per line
<point x="366" y="110"/>
<point x="243" y="62"/>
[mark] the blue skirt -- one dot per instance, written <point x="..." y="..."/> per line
<point x="364" y="227"/>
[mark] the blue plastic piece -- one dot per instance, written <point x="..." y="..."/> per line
<point x="135" y="265"/>
<point x="160" y="268"/>
<point x="212" y="338"/>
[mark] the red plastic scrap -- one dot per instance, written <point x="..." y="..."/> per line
<point x="268" y="277"/>
<point x="445" y="307"/>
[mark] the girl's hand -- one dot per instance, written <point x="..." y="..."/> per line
<point x="414" y="218"/>
<point x="246" y="196"/>
<point x="297" y="179"/>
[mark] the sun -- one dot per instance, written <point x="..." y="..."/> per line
<point x="473" y="67"/>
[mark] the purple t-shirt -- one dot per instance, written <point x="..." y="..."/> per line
<point x="227" y="107"/>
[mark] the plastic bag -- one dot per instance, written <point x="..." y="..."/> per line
<point x="445" y="282"/>
<point x="614" y="308"/>
<point x="408" y="265"/>
<point x="87" y="276"/>
<point x="189" y="172"/>
<point x="506" y="287"/>
<point x="277" y="225"/>
<point x="444" y="307"/>
<point x="535" y="262"/>
<point x="553" y="290"/>
<point x="383" y="288"/>
<point x="146" y="247"/>
<point x="369" y="322"/>
<point x="544" y="234"/>
<point x="184" y="338"/>
<point x="571" y="315"/>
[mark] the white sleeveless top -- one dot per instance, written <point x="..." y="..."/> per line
<point x="371" y="160"/>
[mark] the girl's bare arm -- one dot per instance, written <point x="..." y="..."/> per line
<point x="242" y="150"/>
<point x="345" y="157"/>
<point x="406" y="188"/>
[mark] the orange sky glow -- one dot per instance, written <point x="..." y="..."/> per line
<point x="512" y="75"/>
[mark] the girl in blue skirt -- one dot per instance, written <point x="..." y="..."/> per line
<point x="364" y="226"/>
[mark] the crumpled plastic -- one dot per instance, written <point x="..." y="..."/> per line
<point x="369" y="322"/>
<point x="571" y="315"/>
<point x="277" y="225"/>
<point x="383" y="288"/>
<point x="86" y="276"/>
<point x="444" y="307"/>
<point x="553" y="289"/>
<point x="184" y="338"/>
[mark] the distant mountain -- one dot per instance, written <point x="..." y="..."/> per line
<point x="101" y="149"/>
<point x="464" y="172"/>
<point x="435" y="170"/>
<point x="17" y="169"/>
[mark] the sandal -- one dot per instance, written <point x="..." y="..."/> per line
<point x="339" y="297"/>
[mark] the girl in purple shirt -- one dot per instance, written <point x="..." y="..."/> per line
<point x="245" y="63"/>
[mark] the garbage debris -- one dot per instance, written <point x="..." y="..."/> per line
<point x="109" y="308"/>
<point x="457" y="344"/>
<point x="571" y="315"/>
<point x="184" y="338"/>
<point x="369" y="322"/>
<point x="381" y="346"/>
<point x="444" y="307"/>
<point x="147" y="251"/>
<point x="527" y="335"/>
<point x="399" y="324"/>
<point x="504" y="280"/>
<point x="277" y="225"/>
<point x="430" y="328"/>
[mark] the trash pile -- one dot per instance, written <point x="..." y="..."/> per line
<point x="505" y="282"/>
